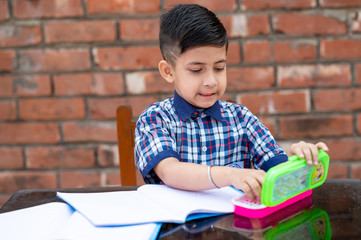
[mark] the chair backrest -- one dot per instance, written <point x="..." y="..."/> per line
<point x="129" y="175"/>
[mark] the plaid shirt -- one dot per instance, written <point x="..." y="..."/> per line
<point x="226" y="134"/>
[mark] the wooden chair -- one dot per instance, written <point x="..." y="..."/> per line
<point x="129" y="175"/>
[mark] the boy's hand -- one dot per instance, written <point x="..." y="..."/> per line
<point x="248" y="180"/>
<point x="309" y="151"/>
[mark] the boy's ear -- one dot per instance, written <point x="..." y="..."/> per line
<point x="166" y="71"/>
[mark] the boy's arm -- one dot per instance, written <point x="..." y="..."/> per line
<point x="194" y="177"/>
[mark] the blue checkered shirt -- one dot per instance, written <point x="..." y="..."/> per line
<point x="226" y="134"/>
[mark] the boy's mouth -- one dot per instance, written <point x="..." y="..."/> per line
<point x="206" y="94"/>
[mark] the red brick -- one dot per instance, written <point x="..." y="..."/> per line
<point x="340" y="48"/>
<point x="89" y="132"/>
<point x="32" y="85"/>
<point x="4" y="10"/>
<point x="344" y="149"/>
<point x="80" y="31"/>
<point x="139" y="29"/>
<point x="337" y="100"/>
<point x="7" y="110"/>
<point x="234" y="53"/>
<point x="89" y="84"/>
<point x="337" y="171"/>
<point x="47" y="8"/>
<point x="55" y="60"/>
<point x="147" y="82"/>
<point x="257" y="52"/>
<point x="52" y="109"/>
<point x="240" y="79"/>
<point x="7" y="87"/>
<point x="340" y="3"/>
<point x="7" y="60"/>
<point x="28" y="133"/>
<point x="25" y="85"/>
<point x="359" y="124"/>
<point x="241" y="25"/>
<point x="358" y="74"/>
<point x="76" y="179"/>
<point x="11" y="35"/>
<point x="107" y="7"/>
<point x="356" y="171"/>
<point x="19" y="180"/>
<point x="315" y="127"/>
<point x="314" y="75"/>
<point x="11" y="158"/>
<point x="59" y="157"/>
<point x="105" y="108"/>
<point x="112" y="178"/>
<point x="301" y="24"/>
<point x="286" y="4"/>
<point x="258" y="25"/>
<point x="127" y="58"/>
<point x="276" y="102"/>
<point x="108" y="156"/>
<point x="294" y="51"/>
<point x="213" y="5"/>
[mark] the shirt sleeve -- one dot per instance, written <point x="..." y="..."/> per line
<point x="153" y="143"/>
<point x="266" y="153"/>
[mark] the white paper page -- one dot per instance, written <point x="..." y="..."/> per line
<point x="35" y="223"/>
<point x="184" y="203"/>
<point x="79" y="228"/>
<point x="116" y="208"/>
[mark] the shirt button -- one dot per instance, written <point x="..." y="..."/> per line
<point x="204" y="149"/>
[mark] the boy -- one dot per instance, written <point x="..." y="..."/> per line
<point x="194" y="141"/>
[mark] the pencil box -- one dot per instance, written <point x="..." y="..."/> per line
<point x="292" y="178"/>
<point x="243" y="223"/>
<point x="243" y="206"/>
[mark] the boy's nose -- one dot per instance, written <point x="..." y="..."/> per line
<point x="210" y="80"/>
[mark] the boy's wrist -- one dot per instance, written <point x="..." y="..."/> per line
<point x="222" y="175"/>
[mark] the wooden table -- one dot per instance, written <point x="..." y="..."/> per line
<point x="339" y="200"/>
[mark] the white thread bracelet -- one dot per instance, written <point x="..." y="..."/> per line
<point x="210" y="178"/>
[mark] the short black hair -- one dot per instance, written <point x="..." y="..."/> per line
<point x="189" y="25"/>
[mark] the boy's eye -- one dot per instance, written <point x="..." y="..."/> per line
<point x="195" y="70"/>
<point x="219" y="69"/>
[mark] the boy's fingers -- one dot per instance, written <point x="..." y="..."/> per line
<point x="298" y="151"/>
<point x="314" y="151"/>
<point x="253" y="186"/>
<point x="322" y="145"/>
<point x="248" y="191"/>
<point x="308" y="155"/>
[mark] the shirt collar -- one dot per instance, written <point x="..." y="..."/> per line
<point x="185" y="109"/>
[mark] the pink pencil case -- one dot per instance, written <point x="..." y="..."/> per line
<point x="260" y="224"/>
<point x="243" y="206"/>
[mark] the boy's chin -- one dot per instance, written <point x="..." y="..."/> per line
<point x="204" y="105"/>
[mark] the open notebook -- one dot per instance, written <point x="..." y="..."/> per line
<point x="58" y="221"/>
<point x="151" y="203"/>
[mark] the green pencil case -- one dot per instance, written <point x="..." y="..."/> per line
<point x="293" y="177"/>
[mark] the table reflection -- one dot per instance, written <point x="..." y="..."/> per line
<point x="332" y="212"/>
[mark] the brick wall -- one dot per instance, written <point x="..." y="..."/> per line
<point x="66" y="64"/>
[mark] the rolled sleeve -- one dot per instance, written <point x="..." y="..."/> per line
<point x="266" y="153"/>
<point x="152" y="144"/>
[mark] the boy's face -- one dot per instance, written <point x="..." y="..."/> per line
<point x="199" y="75"/>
